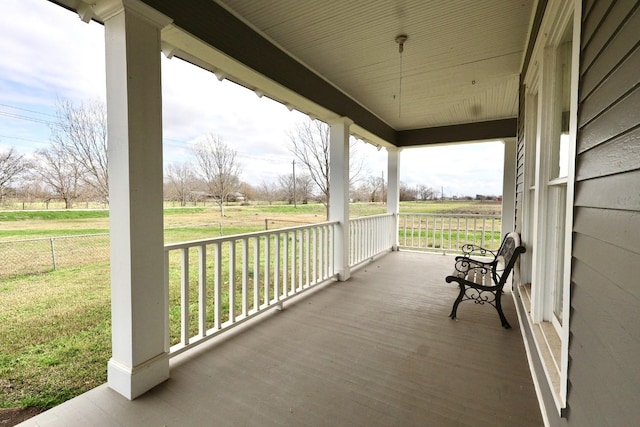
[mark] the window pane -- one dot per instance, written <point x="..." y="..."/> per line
<point x="559" y="196"/>
<point x="560" y="164"/>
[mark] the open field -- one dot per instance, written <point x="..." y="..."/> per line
<point x="56" y="325"/>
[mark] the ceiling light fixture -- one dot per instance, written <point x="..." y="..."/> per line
<point x="400" y="39"/>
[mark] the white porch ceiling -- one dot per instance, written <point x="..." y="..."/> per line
<point x="461" y="62"/>
<point x="334" y="58"/>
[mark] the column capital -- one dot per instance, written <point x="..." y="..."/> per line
<point x="103" y="10"/>
<point x="340" y="121"/>
<point x="394" y="149"/>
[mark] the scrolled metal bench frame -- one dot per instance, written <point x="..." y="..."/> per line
<point x="496" y="272"/>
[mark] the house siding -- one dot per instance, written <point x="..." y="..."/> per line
<point x="604" y="376"/>
<point x="604" y="373"/>
<point x="520" y="158"/>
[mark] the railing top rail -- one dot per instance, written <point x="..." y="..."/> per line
<point x="37" y="239"/>
<point x="222" y="239"/>
<point x="452" y="215"/>
<point x="363" y="218"/>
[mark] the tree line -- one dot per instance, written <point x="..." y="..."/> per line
<point x="74" y="168"/>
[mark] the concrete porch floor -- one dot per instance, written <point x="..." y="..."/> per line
<point x="377" y="350"/>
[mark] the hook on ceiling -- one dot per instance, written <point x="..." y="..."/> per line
<point x="400" y="39"/>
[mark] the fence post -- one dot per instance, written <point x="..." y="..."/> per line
<point x="266" y="223"/>
<point x="53" y="253"/>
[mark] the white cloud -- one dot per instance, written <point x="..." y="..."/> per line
<point x="49" y="53"/>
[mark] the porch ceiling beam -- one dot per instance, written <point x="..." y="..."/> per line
<point x="479" y="131"/>
<point x="217" y="27"/>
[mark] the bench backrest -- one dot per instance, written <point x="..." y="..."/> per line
<point x="507" y="256"/>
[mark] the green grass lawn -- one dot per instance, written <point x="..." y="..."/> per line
<point x="55" y="336"/>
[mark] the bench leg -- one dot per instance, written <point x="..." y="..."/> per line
<point x="454" y="310"/>
<point x="503" y="319"/>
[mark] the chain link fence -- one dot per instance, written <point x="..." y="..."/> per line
<point x="32" y="256"/>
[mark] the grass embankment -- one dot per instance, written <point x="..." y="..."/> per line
<point x="55" y="336"/>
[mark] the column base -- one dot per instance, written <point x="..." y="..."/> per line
<point x="344" y="274"/>
<point x="133" y="382"/>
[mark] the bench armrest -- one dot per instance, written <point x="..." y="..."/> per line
<point x="471" y="249"/>
<point x="465" y="266"/>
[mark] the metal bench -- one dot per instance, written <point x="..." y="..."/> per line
<point x="482" y="281"/>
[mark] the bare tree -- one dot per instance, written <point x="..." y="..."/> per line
<point x="407" y="193"/>
<point x="302" y="192"/>
<point x="268" y="192"/>
<point x="81" y="132"/>
<point x="12" y="165"/>
<point x="248" y="191"/>
<point x="376" y="188"/>
<point x="58" y="171"/>
<point x="309" y="143"/>
<point x="181" y="181"/>
<point x="218" y="167"/>
<point x="425" y="192"/>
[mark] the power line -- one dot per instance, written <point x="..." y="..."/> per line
<point x="27" y="110"/>
<point x="21" y="139"/>
<point x="30" y="119"/>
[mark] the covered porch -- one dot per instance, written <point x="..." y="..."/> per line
<point x="378" y="349"/>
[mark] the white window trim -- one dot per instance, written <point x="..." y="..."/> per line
<point x="557" y="17"/>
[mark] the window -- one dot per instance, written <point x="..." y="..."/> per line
<point x="550" y="133"/>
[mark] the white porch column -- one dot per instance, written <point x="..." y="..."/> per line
<point x="509" y="186"/>
<point x="393" y="189"/>
<point x="134" y="110"/>
<point x="339" y="193"/>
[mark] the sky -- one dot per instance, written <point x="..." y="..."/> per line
<point x="49" y="54"/>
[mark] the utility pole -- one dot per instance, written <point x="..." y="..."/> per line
<point x="293" y="163"/>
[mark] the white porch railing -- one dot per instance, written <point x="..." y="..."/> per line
<point x="214" y="284"/>
<point x="369" y="236"/>
<point x="447" y="233"/>
<point x="217" y="283"/>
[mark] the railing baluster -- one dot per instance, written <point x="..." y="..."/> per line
<point x="413" y="221"/>
<point x="300" y="260"/>
<point x="321" y="255"/>
<point x="493" y="233"/>
<point x="202" y="290"/>
<point x="428" y="242"/>
<point x="184" y="296"/>
<point x="483" y="232"/>
<point x="308" y="254"/>
<point x="466" y="230"/>
<point x="276" y="268"/>
<point x="405" y="230"/>
<point x="285" y="265"/>
<point x="267" y="262"/>
<point x="167" y="326"/>
<point x="361" y="238"/>
<point x="256" y="274"/>
<point x="294" y="264"/>
<point x="353" y="233"/>
<point x="232" y="281"/>
<point x="315" y="256"/>
<point x="329" y="244"/>
<point x="217" y="286"/>
<point x="245" y="277"/>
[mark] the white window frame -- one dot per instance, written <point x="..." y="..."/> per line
<point x="550" y="336"/>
